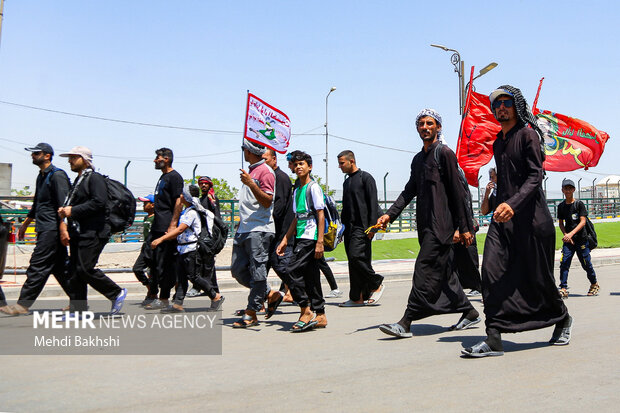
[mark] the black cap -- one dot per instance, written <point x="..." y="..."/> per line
<point x="42" y="147"/>
<point x="568" y="182"/>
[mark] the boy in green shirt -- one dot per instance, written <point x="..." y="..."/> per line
<point x="308" y="228"/>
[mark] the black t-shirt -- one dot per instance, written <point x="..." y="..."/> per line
<point x="167" y="190"/>
<point x="570" y="214"/>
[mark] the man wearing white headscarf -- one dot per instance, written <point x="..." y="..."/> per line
<point x="439" y="213"/>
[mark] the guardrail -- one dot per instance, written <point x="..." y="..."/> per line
<point x="597" y="208"/>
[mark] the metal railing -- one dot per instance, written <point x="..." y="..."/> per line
<point x="597" y="208"/>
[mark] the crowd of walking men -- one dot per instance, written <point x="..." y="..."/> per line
<point x="282" y="228"/>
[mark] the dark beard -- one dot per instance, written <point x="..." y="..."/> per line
<point x="160" y="165"/>
<point x="38" y="161"/>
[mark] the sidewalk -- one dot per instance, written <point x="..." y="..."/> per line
<point x="391" y="269"/>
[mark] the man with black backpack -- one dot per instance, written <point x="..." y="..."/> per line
<point x="440" y="211"/>
<point x="86" y="210"/>
<point x="573" y="219"/>
<point x="49" y="255"/>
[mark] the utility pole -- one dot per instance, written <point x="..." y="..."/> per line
<point x="1" y="18"/>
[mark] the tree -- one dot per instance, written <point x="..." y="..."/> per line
<point x="318" y="180"/>
<point x="25" y="191"/>
<point x="221" y="188"/>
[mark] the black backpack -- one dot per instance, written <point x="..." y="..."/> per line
<point x="467" y="201"/>
<point x="121" y="205"/>
<point x="591" y="234"/>
<point x="210" y="244"/>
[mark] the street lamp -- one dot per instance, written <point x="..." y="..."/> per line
<point x="326" y="140"/>
<point x="459" y="68"/>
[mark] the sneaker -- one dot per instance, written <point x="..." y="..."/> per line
<point x="334" y="294"/>
<point x="473" y="293"/>
<point x="156" y="304"/>
<point x="564" y="293"/>
<point x="147" y="300"/>
<point x="118" y="303"/>
<point x="561" y="334"/>
<point x="194" y="293"/>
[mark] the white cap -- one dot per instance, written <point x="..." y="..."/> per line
<point x="82" y="151"/>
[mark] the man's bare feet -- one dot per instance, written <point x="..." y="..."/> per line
<point x="321" y="320"/>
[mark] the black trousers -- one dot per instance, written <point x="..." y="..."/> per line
<point x="305" y="281"/>
<point x="200" y="272"/>
<point x="466" y="263"/>
<point x="362" y="277"/>
<point x="2" y="298"/>
<point x="84" y="256"/>
<point x="328" y="273"/>
<point x="436" y="288"/>
<point x="141" y="268"/>
<point x="280" y="265"/>
<point x="163" y="269"/>
<point x="49" y="257"/>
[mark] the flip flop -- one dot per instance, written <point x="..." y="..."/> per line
<point x="481" y="349"/>
<point x="217" y="305"/>
<point x="351" y="303"/>
<point x="300" y="326"/>
<point x="273" y="306"/>
<point x="376" y="296"/>
<point x="395" y="330"/>
<point x="241" y="323"/>
<point x="464" y="324"/>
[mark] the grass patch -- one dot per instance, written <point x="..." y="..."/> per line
<point x="608" y="237"/>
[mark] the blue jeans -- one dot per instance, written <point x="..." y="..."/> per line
<point x="583" y="254"/>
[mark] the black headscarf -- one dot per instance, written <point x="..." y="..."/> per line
<point x="524" y="114"/>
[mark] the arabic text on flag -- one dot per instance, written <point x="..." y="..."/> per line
<point x="267" y="125"/>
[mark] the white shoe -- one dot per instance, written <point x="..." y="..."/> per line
<point x="334" y="294"/>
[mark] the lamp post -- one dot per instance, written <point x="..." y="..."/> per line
<point x="385" y="190"/>
<point x="326" y="142"/>
<point x="579" y="188"/>
<point x="459" y="68"/>
<point x="194" y="174"/>
<point x="126" y="166"/>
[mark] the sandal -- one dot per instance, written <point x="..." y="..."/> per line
<point x="594" y="288"/>
<point x="300" y="326"/>
<point x="273" y="306"/>
<point x="563" y="293"/>
<point x="245" y="322"/>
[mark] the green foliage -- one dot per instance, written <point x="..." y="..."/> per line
<point x="318" y="180"/>
<point x="25" y="191"/>
<point x="221" y="188"/>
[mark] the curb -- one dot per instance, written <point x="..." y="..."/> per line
<point x="228" y="283"/>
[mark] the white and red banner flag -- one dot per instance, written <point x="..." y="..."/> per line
<point x="267" y="125"/>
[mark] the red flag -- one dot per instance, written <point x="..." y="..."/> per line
<point x="570" y="143"/>
<point x="479" y="129"/>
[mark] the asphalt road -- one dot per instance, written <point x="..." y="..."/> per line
<point x="348" y="366"/>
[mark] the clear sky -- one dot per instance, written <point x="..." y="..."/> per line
<point x="190" y="63"/>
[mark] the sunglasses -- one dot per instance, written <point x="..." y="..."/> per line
<point x="508" y="103"/>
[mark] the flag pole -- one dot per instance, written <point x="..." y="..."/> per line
<point x="537" y="94"/>
<point x="465" y="111"/>
<point x="245" y="123"/>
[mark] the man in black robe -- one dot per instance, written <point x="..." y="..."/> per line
<point x="518" y="287"/>
<point x="439" y="213"/>
<point x="360" y="210"/>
